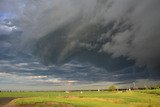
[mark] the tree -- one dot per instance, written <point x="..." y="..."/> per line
<point x="112" y="88"/>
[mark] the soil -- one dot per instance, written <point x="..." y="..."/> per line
<point x="47" y="104"/>
<point x="4" y="101"/>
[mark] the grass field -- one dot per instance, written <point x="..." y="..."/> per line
<point x="145" y="98"/>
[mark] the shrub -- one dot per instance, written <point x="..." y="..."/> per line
<point x="112" y="88"/>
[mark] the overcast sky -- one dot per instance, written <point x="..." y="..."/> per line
<point x="78" y="43"/>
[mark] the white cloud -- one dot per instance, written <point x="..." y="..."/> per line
<point x="21" y="64"/>
<point x="37" y="77"/>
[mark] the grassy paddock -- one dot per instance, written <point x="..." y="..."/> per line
<point x="144" y="98"/>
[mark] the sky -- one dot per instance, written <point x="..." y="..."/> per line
<point x="79" y="44"/>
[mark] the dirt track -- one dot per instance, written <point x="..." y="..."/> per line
<point x="4" y="101"/>
<point x="48" y="104"/>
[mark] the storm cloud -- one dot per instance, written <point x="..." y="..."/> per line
<point x="120" y="28"/>
<point x="79" y="41"/>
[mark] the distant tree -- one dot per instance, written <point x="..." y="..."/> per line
<point x="155" y="87"/>
<point x="134" y="88"/>
<point x="146" y="87"/>
<point x="112" y="88"/>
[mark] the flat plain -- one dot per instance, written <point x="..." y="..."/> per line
<point x="139" y="98"/>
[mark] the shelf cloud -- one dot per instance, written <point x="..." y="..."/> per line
<point x="91" y="38"/>
<point x="120" y="28"/>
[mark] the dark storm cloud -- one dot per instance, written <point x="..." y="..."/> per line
<point x="121" y="28"/>
<point x="60" y="31"/>
<point x="141" y="42"/>
<point x="86" y="40"/>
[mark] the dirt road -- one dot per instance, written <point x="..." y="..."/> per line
<point x="4" y="101"/>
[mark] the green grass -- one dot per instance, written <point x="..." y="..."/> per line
<point x="155" y="91"/>
<point x="146" y="98"/>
